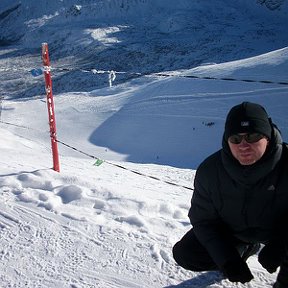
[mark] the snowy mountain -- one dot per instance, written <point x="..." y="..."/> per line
<point x="138" y="36"/>
<point x="114" y="225"/>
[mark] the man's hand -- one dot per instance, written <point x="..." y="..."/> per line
<point x="237" y="271"/>
<point x="271" y="256"/>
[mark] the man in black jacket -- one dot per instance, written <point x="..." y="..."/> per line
<point x="240" y="201"/>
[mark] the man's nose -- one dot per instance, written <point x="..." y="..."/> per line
<point x="243" y="143"/>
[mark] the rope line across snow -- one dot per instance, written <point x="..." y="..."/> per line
<point x="224" y="79"/>
<point x="37" y="72"/>
<point x="100" y="161"/>
<point x="125" y="168"/>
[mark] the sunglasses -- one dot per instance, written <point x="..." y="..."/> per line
<point x="249" y="138"/>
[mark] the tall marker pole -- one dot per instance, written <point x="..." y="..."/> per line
<point x="50" y="106"/>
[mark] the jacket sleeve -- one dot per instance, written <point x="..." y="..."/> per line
<point x="209" y="228"/>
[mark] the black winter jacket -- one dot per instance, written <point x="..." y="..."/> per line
<point x="235" y="201"/>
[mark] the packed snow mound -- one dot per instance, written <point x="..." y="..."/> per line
<point x="72" y="230"/>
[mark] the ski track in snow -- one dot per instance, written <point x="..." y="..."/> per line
<point x="37" y="218"/>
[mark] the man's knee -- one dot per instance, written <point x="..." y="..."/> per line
<point x="177" y="253"/>
<point x="180" y="258"/>
<point x="191" y="255"/>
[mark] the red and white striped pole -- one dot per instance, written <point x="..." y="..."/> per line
<point x="50" y="106"/>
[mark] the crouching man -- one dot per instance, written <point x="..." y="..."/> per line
<point x="240" y="201"/>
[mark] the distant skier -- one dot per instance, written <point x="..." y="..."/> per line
<point x="240" y="201"/>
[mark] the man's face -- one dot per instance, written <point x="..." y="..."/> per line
<point x="248" y="153"/>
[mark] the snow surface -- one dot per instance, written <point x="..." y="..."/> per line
<point x="107" y="226"/>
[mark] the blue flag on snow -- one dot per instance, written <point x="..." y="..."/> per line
<point x="36" y="72"/>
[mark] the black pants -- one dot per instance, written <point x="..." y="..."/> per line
<point x="191" y="255"/>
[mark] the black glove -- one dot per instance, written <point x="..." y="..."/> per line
<point x="271" y="256"/>
<point x="237" y="271"/>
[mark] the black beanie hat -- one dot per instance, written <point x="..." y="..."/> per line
<point x="247" y="118"/>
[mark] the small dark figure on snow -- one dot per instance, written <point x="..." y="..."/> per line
<point x="240" y="201"/>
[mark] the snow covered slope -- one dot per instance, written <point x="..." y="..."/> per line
<point x="107" y="226"/>
<point x="159" y="120"/>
